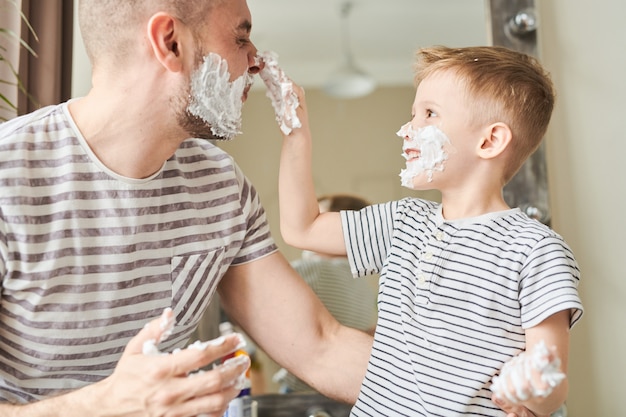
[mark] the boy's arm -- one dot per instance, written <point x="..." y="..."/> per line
<point x="554" y="333"/>
<point x="301" y="223"/>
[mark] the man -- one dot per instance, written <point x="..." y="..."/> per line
<point x="111" y="215"/>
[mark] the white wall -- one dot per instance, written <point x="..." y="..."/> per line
<point x="584" y="46"/>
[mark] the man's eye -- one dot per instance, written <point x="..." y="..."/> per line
<point x="243" y="41"/>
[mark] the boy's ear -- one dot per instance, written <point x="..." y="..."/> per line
<point x="164" y="37"/>
<point x="495" y="140"/>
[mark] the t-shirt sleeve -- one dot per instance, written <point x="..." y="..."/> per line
<point x="258" y="241"/>
<point x="367" y="235"/>
<point x="549" y="283"/>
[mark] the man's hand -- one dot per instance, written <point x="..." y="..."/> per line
<point x="154" y="384"/>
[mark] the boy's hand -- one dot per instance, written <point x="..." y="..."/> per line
<point x="280" y="90"/>
<point x="528" y="375"/>
<point x="515" y="410"/>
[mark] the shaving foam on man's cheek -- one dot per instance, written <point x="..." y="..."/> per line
<point x="528" y="375"/>
<point x="280" y="92"/>
<point x="215" y="99"/>
<point x="424" y="151"/>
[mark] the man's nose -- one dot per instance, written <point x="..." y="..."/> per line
<point x="255" y="63"/>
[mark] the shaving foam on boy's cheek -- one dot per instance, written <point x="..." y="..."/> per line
<point x="430" y="142"/>
<point x="215" y="99"/>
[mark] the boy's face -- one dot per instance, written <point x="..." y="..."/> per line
<point x="438" y="140"/>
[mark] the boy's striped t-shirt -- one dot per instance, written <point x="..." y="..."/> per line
<point x="455" y="299"/>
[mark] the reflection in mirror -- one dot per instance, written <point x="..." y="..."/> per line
<point x="383" y="36"/>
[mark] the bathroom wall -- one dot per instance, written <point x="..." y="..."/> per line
<point x="584" y="46"/>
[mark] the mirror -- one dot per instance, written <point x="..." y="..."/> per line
<point x="382" y="36"/>
<point x="356" y="149"/>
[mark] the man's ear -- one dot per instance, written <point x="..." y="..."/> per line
<point x="164" y="37"/>
<point x="495" y="140"/>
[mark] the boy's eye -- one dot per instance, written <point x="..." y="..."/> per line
<point x="430" y="113"/>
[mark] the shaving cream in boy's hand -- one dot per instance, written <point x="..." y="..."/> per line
<point x="280" y="91"/>
<point x="528" y="375"/>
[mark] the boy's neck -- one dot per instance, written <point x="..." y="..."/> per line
<point x="460" y="208"/>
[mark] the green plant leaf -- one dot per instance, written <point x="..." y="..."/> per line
<point x="9" y="34"/>
<point x="12" y="36"/>
<point x="24" y="19"/>
<point x="8" y="102"/>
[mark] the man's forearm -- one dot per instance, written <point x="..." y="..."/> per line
<point x="79" y="403"/>
<point x="341" y="368"/>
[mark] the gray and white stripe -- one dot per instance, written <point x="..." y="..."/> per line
<point x="455" y="299"/>
<point x="87" y="257"/>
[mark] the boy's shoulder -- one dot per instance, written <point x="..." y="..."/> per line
<point x="415" y="203"/>
<point x="519" y="229"/>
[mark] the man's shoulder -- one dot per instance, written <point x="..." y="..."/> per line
<point x="196" y="146"/>
<point x="18" y="124"/>
<point x="202" y="156"/>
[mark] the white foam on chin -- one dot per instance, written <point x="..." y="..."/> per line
<point x="430" y="141"/>
<point x="215" y="99"/>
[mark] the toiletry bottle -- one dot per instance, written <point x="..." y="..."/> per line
<point x="241" y="405"/>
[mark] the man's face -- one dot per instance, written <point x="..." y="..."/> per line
<point x="224" y="65"/>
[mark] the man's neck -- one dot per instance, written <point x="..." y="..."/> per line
<point x="132" y="144"/>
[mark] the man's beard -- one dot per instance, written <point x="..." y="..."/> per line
<point x="211" y="106"/>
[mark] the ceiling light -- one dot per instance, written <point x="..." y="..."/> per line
<point x="348" y="81"/>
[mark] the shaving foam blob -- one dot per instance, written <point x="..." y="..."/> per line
<point x="280" y="92"/>
<point x="530" y="375"/>
<point x="215" y="99"/>
<point x="430" y="142"/>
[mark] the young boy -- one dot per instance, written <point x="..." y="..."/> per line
<point x="472" y="292"/>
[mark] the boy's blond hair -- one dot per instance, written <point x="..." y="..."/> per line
<point x="502" y="85"/>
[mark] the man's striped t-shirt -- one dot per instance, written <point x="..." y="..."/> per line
<point x="87" y="256"/>
<point x="455" y="299"/>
